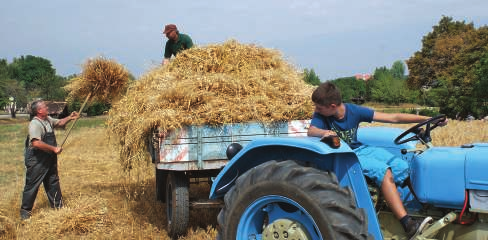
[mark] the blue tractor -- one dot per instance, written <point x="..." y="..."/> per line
<point x="301" y="188"/>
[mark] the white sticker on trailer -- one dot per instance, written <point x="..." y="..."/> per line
<point x="298" y="128"/>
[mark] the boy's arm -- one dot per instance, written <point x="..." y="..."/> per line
<point x="398" y="117"/>
<point x="317" y="132"/>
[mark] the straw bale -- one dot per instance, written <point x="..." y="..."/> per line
<point x="213" y="85"/>
<point x="80" y="216"/>
<point x="103" y="78"/>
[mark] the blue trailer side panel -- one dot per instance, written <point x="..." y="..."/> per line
<point x="203" y="147"/>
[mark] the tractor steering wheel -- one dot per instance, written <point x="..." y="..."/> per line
<point x="421" y="134"/>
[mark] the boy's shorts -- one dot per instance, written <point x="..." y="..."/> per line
<point x="375" y="161"/>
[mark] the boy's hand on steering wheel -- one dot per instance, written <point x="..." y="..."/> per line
<point x="442" y="123"/>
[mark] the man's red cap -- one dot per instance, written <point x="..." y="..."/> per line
<point x="168" y="28"/>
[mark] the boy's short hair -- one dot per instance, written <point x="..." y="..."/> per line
<point x="327" y="93"/>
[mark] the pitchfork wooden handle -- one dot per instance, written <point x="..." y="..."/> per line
<point x="72" y="125"/>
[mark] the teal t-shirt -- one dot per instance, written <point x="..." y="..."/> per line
<point x="173" y="48"/>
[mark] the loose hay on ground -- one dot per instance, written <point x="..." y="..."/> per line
<point x="84" y="215"/>
<point x="217" y="84"/>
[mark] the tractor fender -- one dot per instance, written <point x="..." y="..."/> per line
<point x="309" y="152"/>
<point x="260" y="150"/>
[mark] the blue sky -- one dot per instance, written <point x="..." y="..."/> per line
<point x="336" y="38"/>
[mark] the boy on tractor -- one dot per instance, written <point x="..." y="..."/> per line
<point x="333" y="117"/>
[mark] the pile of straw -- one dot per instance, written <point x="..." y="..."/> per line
<point x="81" y="216"/>
<point x="104" y="79"/>
<point x="216" y="84"/>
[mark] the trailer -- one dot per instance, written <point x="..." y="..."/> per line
<point x="193" y="154"/>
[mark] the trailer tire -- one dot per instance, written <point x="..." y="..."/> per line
<point x="177" y="203"/>
<point x="268" y="196"/>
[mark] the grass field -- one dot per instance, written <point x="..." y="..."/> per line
<point x="103" y="202"/>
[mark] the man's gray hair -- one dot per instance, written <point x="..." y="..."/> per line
<point x="34" y="107"/>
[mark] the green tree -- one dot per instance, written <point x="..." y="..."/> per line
<point x="453" y="54"/>
<point x="380" y="87"/>
<point x="51" y="88"/>
<point x="398" y="70"/>
<point x="13" y="89"/>
<point x="438" y="52"/>
<point x="3" y="77"/>
<point x="310" y="77"/>
<point x="38" y="77"/>
<point x="30" y="69"/>
<point x="4" y="72"/>
<point x="480" y="87"/>
<point x="351" y="88"/>
<point x="388" y="86"/>
<point x="10" y="89"/>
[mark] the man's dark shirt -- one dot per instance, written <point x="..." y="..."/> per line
<point x="173" y="48"/>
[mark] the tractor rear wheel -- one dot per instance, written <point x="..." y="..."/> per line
<point x="283" y="200"/>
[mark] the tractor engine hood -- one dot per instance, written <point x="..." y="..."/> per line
<point x="441" y="175"/>
<point x="476" y="166"/>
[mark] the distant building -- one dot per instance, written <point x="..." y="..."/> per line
<point x="363" y="76"/>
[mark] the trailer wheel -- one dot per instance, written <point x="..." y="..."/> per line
<point x="283" y="200"/>
<point x="177" y="203"/>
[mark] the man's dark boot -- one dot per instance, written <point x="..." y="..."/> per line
<point x="24" y="214"/>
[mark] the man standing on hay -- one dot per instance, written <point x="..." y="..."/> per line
<point x="332" y="117"/>
<point x="176" y="43"/>
<point x="41" y="160"/>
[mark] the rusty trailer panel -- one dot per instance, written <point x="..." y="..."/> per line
<point x="203" y="147"/>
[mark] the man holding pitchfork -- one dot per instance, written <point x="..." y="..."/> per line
<point x="41" y="160"/>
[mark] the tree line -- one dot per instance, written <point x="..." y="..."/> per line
<point x="450" y="71"/>
<point x="26" y="78"/>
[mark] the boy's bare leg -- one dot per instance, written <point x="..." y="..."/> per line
<point x="392" y="197"/>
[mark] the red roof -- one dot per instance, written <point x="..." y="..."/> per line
<point x="363" y="76"/>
